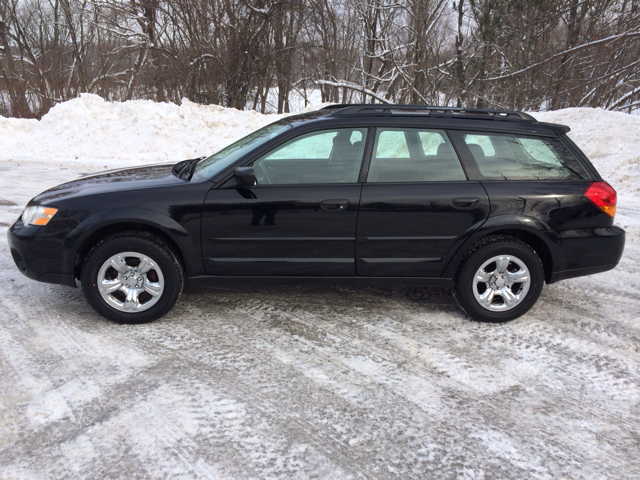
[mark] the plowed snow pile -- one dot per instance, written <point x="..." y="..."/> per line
<point x="87" y="129"/>
<point x="611" y="140"/>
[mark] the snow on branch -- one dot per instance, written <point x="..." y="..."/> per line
<point x="610" y="39"/>
<point x="353" y="86"/>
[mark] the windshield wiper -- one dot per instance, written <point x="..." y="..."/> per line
<point x="184" y="170"/>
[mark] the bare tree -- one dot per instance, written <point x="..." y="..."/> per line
<point x="546" y="54"/>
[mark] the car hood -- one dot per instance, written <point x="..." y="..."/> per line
<point x="147" y="176"/>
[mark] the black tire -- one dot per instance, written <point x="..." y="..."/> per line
<point x="477" y="255"/>
<point x="148" y="245"/>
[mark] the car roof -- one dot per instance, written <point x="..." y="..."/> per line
<point x="434" y="117"/>
<point x="431" y="111"/>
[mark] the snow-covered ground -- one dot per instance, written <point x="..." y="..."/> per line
<point x="300" y="381"/>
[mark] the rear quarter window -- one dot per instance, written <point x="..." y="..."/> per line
<point x="519" y="157"/>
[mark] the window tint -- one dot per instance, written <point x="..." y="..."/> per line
<point x="327" y="156"/>
<point x="512" y="157"/>
<point x="485" y="143"/>
<point x="413" y="155"/>
<point x="316" y="146"/>
<point x="430" y="142"/>
<point x="392" y="144"/>
<point x="213" y="165"/>
<point x="540" y="151"/>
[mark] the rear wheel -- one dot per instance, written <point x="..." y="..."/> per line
<point x="499" y="279"/>
<point x="132" y="278"/>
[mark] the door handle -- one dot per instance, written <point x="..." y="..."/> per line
<point x="465" y="203"/>
<point x="334" y="205"/>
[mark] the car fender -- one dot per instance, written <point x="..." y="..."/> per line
<point x="500" y="223"/>
<point x="171" y="228"/>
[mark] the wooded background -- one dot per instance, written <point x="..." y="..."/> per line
<point x="530" y="55"/>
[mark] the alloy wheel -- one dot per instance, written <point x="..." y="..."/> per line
<point x="130" y="282"/>
<point x="501" y="283"/>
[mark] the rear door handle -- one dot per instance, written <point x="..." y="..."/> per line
<point x="465" y="203"/>
<point x="334" y="205"/>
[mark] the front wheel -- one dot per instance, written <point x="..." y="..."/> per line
<point x="132" y="278"/>
<point x="499" y="279"/>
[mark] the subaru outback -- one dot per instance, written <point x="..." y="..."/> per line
<point x="490" y="203"/>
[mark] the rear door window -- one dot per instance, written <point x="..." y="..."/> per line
<point x="514" y="157"/>
<point x="413" y="155"/>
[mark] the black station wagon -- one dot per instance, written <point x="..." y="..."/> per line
<point x="491" y="203"/>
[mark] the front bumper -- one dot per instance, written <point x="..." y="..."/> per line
<point x="40" y="253"/>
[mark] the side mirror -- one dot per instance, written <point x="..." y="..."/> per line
<point x="245" y="177"/>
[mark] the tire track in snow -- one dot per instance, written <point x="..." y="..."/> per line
<point x="218" y="353"/>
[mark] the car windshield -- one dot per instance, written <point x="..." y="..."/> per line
<point x="210" y="166"/>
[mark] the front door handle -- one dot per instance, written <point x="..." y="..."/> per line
<point x="466" y="203"/>
<point x="334" y="205"/>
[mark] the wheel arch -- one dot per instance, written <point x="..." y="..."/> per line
<point x="527" y="230"/>
<point x="96" y="228"/>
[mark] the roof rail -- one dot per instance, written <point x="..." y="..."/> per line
<point x="381" y="109"/>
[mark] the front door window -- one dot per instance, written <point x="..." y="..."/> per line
<point x="326" y="156"/>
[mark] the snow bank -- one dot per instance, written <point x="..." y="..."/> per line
<point x="611" y="140"/>
<point x="90" y="132"/>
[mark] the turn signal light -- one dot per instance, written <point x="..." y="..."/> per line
<point x="603" y="196"/>
<point x="38" y="215"/>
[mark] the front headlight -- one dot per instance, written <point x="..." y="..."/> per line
<point x="38" y="215"/>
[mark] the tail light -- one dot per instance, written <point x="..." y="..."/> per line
<point x="603" y="196"/>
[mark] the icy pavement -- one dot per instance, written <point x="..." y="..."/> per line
<point x="317" y="382"/>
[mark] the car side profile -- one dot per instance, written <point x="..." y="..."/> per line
<point x="490" y="203"/>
